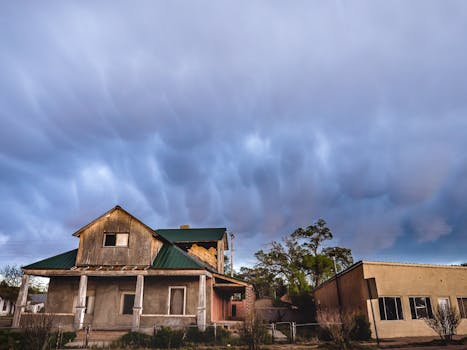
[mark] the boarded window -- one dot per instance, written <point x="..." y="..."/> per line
<point x="390" y="308"/>
<point x="177" y="301"/>
<point x="116" y="240"/>
<point x="234" y="310"/>
<point x="462" y="303"/>
<point x="420" y="307"/>
<point x="128" y="303"/>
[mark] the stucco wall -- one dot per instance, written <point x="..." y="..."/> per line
<point x="352" y="291"/>
<point x="405" y="281"/>
<point x="60" y="294"/>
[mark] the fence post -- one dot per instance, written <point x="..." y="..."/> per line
<point x="273" y="331"/>
<point x="86" y="336"/>
<point x="294" y="331"/>
<point x="215" y="332"/>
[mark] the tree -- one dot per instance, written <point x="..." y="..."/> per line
<point x="12" y="275"/>
<point x="266" y="283"/>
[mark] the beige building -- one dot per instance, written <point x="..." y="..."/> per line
<point x="125" y="275"/>
<point x="396" y="297"/>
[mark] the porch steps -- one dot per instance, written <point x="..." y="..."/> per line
<point x="96" y="338"/>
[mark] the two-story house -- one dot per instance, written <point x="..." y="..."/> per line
<point x="125" y="275"/>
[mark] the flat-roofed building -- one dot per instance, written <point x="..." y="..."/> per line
<point x="396" y="297"/>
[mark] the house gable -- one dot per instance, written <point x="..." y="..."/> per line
<point x="139" y="248"/>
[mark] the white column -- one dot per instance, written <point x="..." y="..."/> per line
<point x="138" y="306"/>
<point x="201" y="311"/>
<point x="21" y="301"/>
<point x="81" y="302"/>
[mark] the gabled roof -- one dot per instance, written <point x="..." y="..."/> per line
<point x="64" y="261"/>
<point x="194" y="235"/>
<point x="117" y="207"/>
<point x="172" y="257"/>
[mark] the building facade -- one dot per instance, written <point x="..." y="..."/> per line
<point x="125" y="275"/>
<point x="396" y="297"/>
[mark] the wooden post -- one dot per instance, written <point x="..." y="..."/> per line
<point x="21" y="301"/>
<point x="201" y="311"/>
<point x="81" y="302"/>
<point x="138" y="306"/>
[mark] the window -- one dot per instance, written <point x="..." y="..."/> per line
<point x="443" y="303"/>
<point x="462" y="303"/>
<point x="420" y="307"/>
<point x="234" y="310"/>
<point x="177" y="300"/>
<point x="237" y="296"/>
<point x="128" y="303"/>
<point x="390" y="308"/>
<point x="112" y="239"/>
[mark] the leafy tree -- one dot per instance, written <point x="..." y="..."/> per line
<point x="266" y="283"/>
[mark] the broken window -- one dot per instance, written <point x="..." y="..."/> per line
<point x="176" y="300"/>
<point x="390" y="308"/>
<point x="112" y="239"/>
<point x="462" y="303"/>
<point x="128" y="303"/>
<point x="420" y="307"/>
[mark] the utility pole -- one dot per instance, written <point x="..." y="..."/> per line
<point x="232" y="236"/>
<point x="337" y="287"/>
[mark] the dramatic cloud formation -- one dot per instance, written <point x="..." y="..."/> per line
<point x="257" y="116"/>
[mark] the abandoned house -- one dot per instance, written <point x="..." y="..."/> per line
<point x="125" y="275"/>
<point x="396" y="297"/>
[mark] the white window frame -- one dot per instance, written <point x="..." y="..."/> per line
<point x="442" y="299"/>
<point x="398" y="312"/>
<point x="122" y="300"/>
<point x="116" y="239"/>
<point x="184" y="300"/>
<point x="463" y="312"/>
<point x="428" y="312"/>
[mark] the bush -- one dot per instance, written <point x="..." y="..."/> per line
<point x="194" y="335"/>
<point x="255" y="334"/>
<point x="360" y="329"/>
<point x="11" y="340"/>
<point x="134" y="340"/>
<point x="444" y="322"/>
<point x="65" y="338"/>
<point x="167" y="338"/>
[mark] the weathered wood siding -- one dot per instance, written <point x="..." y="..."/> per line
<point x="141" y="250"/>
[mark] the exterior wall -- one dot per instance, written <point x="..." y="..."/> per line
<point x="218" y="307"/>
<point x="108" y="291"/>
<point x="404" y="281"/>
<point x="142" y="246"/>
<point x="353" y="292"/>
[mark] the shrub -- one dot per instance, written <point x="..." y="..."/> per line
<point x="444" y="322"/>
<point x="65" y="338"/>
<point x="11" y="340"/>
<point x="194" y="335"/>
<point x="255" y="334"/>
<point x="167" y="338"/>
<point x="37" y="331"/>
<point x="134" y="340"/>
<point x="360" y="329"/>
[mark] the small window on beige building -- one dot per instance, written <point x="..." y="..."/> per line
<point x="420" y="307"/>
<point x="177" y="300"/>
<point x="462" y="303"/>
<point x="390" y="308"/>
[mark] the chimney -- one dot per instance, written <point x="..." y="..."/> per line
<point x="184" y="227"/>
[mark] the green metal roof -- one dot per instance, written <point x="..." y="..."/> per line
<point x="193" y="234"/>
<point x="64" y="261"/>
<point x="172" y="257"/>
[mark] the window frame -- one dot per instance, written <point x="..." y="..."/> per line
<point x="122" y="301"/>
<point x="114" y="233"/>
<point x="399" y="313"/>
<point x="429" y="311"/>
<point x="463" y="310"/>
<point x="170" y="297"/>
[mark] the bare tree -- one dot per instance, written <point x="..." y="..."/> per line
<point x="445" y="321"/>
<point x="11" y="275"/>
<point x="37" y="330"/>
<point x="339" y="326"/>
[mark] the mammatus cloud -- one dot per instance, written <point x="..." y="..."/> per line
<point x="259" y="117"/>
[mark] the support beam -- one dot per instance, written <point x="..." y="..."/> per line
<point x="21" y="301"/>
<point x="138" y="305"/>
<point x="81" y="302"/>
<point x="201" y="311"/>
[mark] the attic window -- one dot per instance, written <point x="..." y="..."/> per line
<point x="113" y="239"/>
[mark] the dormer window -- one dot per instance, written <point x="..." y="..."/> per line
<point x="115" y="239"/>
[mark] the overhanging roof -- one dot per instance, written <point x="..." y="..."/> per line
<point x="194" y="235"/>
<point x="64" y="261"/>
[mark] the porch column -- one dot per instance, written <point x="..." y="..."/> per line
<point x="81" y="302"/>
<point x="138" y="305"/>
<point x="201" y="311"/>
<point x="21" y="301"/>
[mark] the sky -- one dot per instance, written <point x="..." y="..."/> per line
<point x="256" y="116"/>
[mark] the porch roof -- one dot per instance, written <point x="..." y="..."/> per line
<point x="64" y="261"/>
